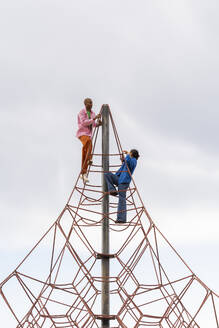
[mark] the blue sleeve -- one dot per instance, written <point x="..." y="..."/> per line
<point x="130" y="162"/>
<point x="128" y="159"/>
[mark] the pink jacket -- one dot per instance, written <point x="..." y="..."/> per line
<point x="85" y="125"/>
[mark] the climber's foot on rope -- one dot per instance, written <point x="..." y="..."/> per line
<point x="118" y="221"/>
<point x="113" y="193"/>
<point x="90" y="162"/>
<point x="84" y="178"/>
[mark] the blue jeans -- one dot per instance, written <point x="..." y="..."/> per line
<point x="112" y="180"/>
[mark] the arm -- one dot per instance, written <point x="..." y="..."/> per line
<point x="122" y="156"/>
<point x="131" y="163"/>
<point x="128" y="159"/>
<point x="99" y="123"/>
<point x="82" y="117"/>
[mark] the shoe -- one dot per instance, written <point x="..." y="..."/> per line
<point x="113" y="192"/>
<point x="84" y="178"/>
<point x="90" y="162"/>
<point x="118" y="221"/>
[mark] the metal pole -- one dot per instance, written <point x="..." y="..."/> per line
<point x="105" y="222"/>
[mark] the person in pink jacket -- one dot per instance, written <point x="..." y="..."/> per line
<point x="86" y="122"/>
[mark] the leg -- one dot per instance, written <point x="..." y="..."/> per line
<point x="89" y="151"/>
<point x="86" y="153"/>
<point x="111" y="180"/>
<point x="121" y="216"/>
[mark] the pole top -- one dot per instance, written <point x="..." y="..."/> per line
<point x="105" y="109"/>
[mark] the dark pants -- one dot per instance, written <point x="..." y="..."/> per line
<point x="112" y="180"/>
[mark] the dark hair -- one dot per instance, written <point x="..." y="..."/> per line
<point x="85" y="100"/>
<point x="135" y="153"/>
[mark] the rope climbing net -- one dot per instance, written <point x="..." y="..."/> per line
<point x="58" y="284"/>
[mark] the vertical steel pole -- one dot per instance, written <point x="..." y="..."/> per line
<point x="105" y="223"/>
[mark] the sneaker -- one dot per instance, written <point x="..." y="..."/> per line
<point x="85" y="178"/>
<point x="113" y="192"/>
<point x="81" y="176"/>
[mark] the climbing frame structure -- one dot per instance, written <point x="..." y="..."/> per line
<point x="59" y="283"/>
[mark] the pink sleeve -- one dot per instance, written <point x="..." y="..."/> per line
<point x="84" y="120"/>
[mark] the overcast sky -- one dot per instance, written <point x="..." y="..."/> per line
<point x="156" y="64"/>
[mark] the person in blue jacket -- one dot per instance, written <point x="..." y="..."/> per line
<point x="122" y="179"/>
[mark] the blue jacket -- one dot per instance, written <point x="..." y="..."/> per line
<point x="122" y="173"/>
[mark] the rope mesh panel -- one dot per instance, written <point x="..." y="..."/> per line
<point x="58" y="284"/>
